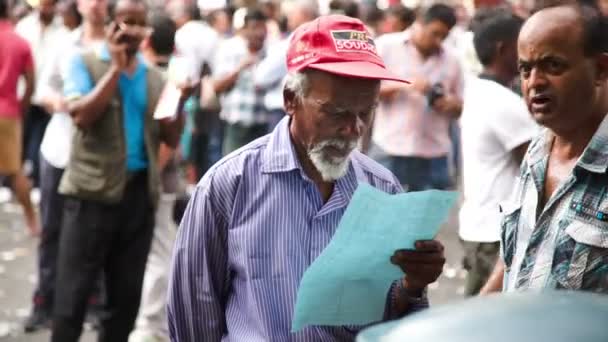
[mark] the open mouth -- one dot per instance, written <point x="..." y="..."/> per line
<point x="541" y="103"/>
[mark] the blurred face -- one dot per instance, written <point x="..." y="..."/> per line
<point x="221" y="22"/>
<point x="604" y="6"/>
<point x="93" y="11"/>
<point x="393" y="24"/>
<point x="70" y="20"/>
<point x="133" y="16"/>
<point x="296" y="18"/>
<point x="430" y="36"/>
<point x="560" y="84"/>
<point x="255" y="34"/>
<point x="331" y="119"/>
<point x="46" y="9"/>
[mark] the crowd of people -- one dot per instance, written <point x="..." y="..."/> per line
<point x="197" y="223"/>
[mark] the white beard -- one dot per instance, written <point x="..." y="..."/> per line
<point x="331" y="168"/>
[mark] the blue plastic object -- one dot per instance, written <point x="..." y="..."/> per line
<point x="555" y="316"/>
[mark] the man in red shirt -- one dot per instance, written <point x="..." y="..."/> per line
<point x="15" y="61"/>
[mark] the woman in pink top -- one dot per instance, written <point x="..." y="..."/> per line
<point x="15" y="62"/>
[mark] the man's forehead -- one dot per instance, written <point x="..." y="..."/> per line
<point x="563" y="22"/>
<point x="555" y="29"/>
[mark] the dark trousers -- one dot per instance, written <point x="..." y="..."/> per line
<point x="479" y="261"/>
<point x="51" y="209"/>
<point x="113" y="238"/>
<point x="34" y="125"/>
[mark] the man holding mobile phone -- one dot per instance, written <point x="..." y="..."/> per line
<point x="111" y="182"/>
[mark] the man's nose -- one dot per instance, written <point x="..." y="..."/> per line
<point x="355" y="128"/>
<point x="537" y="79"/>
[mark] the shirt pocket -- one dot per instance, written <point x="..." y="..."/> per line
<point x="581" y="257"/>
<point x="509" y="224"/>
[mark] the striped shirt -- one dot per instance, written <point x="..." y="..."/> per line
<point x="254" y="224"/>
<point x="565" y="244"/>
<point x="406" y="125"/>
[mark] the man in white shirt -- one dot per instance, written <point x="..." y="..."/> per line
<point x="196" y="44"/>
<point x="43" y="29"/>
<point x="55" y="151"/>
<point x="496" y="130"/>
<point x="195" y="41"/>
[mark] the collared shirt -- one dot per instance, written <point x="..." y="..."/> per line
<point x="254" y="225"/>
<point x="133" y="91"/>
<point x="243" y="104"/>
<point x="407" y="125"/>
<point x="565" y="244"/>
<point x="56" y="144"/>
<point x="16" y="58"/>
<point x="44" y="41"/>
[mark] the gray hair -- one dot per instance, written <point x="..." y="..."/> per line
<point x="298" y="83"/>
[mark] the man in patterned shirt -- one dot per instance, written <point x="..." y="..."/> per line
<point x="555" y="236"/>
<point x="242" y="103"/>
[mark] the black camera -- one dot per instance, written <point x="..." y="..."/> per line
<point x="435" y="93"/>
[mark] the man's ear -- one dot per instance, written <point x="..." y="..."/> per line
<point x="290" y="101"/>
<point x="602" y="68"/>
<point x="500" y="48"/>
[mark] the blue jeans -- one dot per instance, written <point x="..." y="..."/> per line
<point x="415" y="173"/>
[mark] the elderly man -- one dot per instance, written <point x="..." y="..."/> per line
<point x="260" y="217"/>
<point x="554" y="236"/>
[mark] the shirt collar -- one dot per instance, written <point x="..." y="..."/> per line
<point x="594" y="158"/>
<point x="280" y="155"/>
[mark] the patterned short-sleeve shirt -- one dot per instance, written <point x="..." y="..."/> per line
<point x="565" y="244"/>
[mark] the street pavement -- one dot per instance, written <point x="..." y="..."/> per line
<point x="18" y="273"/>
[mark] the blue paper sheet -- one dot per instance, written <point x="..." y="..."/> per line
<point x="348" y="283"/>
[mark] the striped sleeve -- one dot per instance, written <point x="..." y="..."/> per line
<point x="199" y="279"/>
<point x="392" y="311"/>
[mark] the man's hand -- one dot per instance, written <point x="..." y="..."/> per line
<point x="421" y="266"/>
<point x="117" y="45"/>
<point x="187" y="89"/>
<point x="248" y="62"/>
<point x="420" y="85"/>
<point x="390" y="91"/>
<point x="448" y="105"/>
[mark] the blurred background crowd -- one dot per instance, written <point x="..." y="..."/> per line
<point x="233" y="52"/>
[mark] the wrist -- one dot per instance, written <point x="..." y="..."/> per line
<point x="115" y="69"/>
<point x="412" y="290"/>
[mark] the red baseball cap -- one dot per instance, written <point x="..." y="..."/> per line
<point x="339" y="45"/>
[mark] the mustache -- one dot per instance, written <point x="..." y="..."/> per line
<point x="337" y="143"/>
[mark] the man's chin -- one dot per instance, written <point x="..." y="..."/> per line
<point x="331" y="171"/>
<point x="544" y="119"/>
